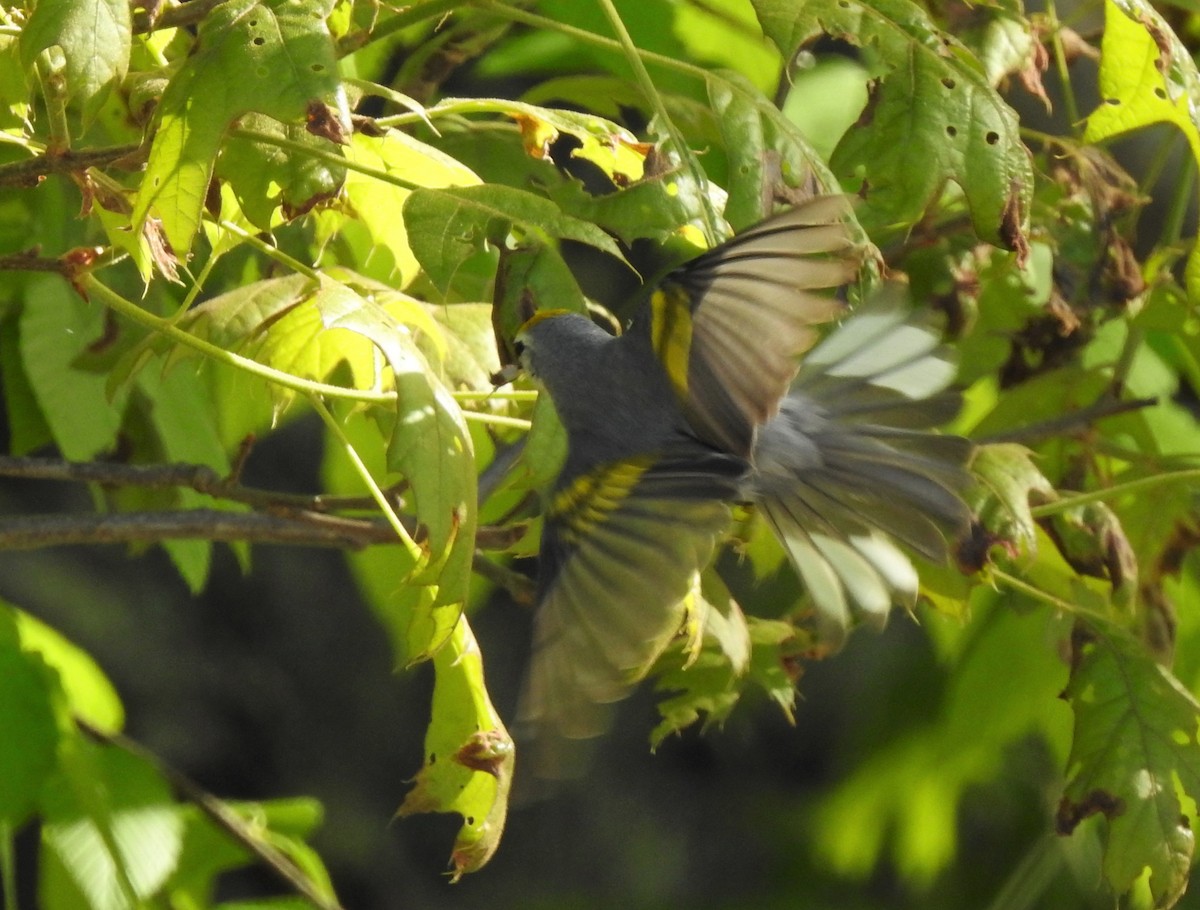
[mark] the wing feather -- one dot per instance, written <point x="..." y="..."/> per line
<point x="752" y="303"/>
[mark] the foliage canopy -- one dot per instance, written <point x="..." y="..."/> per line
<point x="220" y="215"/>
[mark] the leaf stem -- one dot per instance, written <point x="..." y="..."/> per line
<point x="271" y="252"/>
<point x="654" y="98"/>
<point x="402" y="20"/>
<point x="1036" y="593"/>
<point x="307" y="387"/>
<point x="321" y="154"/>
<point x="1188" y="475"/>
<point x="500" y="420"/>
<point x="1060" y="65"/>
<point x="381" y="499"/>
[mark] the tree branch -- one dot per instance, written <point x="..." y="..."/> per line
<point x="34" y="532"/>
<point x="29" y="171"/>
<point x="221" y="815"/>
<point x="286" y="519"/>
<point x="198" y="477"/>
<point x="1069" y="423"/>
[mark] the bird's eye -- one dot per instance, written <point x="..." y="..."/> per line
<point x="519" y="348"/>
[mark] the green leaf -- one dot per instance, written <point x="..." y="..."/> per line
<point x="1135" y="755"/>
<point x="1147" y="76"/>
<point x="183" y="422"/>
<point x="1006" y="479"/>
<point x="209" y="851"/>
<point x="446" y="227"/>
<point x="431" y="447"/>
<point x="89" y="693"/>
<point x="29" y="720"/>
<point x="27" y="427"/>
<point x="530" y="278"/>
<point x="266" y="178"/>
<point x="279" y="322"/>
<point x="768" y="155"/>
<point x="1003" y="672"/>
<point x="110" y="827"/>
<point x="273" y="58"/>
<point x="376" y="204"/>
<point x="464" y="352"/>
<point x="469" y="755"/>
<point x="931" y="118"/>
<point x="95" y="37"/>
<point x="56" y="327"/>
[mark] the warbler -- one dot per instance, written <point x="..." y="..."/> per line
<point x="703" y="404"/>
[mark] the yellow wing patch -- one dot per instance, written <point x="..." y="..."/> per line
<point x="590" y="499"/>
<point x="671" y="334"/>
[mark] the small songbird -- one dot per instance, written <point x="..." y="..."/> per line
<point x="702" y="404"/>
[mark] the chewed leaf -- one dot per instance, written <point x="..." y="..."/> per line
<point x="272" y="58"/>
<point x="469" y="755"/>
<point x="964" y="132"/>
<point x="1147" y="76"/>
<point x="768" y="155"/>
<point x="1135" y="750"/>
<point x="1006" y="480"/>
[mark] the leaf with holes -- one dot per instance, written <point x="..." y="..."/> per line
<point x="1147" y="76"/>
<point x="931" y="118"/>
<point x="273" y="58"/>
<point x="1134" y="754"/>
<point x="469" y="755"/>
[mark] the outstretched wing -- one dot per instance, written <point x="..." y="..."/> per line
<point x="620" y="547"/>
<point x="851" y="466"/>
<point x="730" y="324"/>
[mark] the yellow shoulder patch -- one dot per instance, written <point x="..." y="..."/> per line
<point x="671" y="334"/>
<point x="541" y="315"/>
<point x="590" y="498"/>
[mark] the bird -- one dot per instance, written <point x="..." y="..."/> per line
<point x="704" y="404"/>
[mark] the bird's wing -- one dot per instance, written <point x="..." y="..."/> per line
<point x="729" y="325"/>
<point x="620" y="548"/>
<point x="851" y="464"/>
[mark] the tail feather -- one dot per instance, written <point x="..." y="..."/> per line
<point x="850" y="466"/>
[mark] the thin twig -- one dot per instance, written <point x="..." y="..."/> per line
<point x="303" y="529"/>
<point x="35" y="532"/>
<point x="519" y="587"/>
<point x="189" y="13"/>
<point x="30" y="170"/>
<point x="1069" y="423"/>
<point x="223" y="817"/>
<point x="198" y="477"/>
